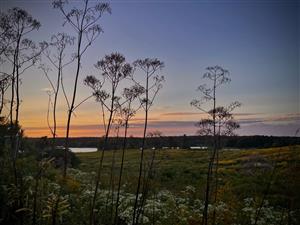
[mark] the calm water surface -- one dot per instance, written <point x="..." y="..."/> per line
<point x="83" y="149"/>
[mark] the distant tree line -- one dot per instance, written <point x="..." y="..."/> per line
<point x="183" y="142"/>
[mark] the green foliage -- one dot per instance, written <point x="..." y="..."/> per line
<point x="175" y="197"/>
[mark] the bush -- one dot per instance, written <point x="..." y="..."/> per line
<point x="58" y="155"/>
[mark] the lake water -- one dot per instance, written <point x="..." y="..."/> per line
<point x="83" y="149"/>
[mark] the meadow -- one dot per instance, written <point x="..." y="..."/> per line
<point x="255" y="186"/>
<point x="242" y="172"/>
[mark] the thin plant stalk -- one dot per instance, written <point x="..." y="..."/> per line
<point x="142" y="152"/>
<point x="121" y="172"/>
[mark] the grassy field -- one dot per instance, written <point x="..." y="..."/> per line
<point x="243" y="172"/>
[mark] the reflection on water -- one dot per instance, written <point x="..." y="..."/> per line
<point x="83" y="149"/>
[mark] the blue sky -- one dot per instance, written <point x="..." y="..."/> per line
<point x="257" y="41"/>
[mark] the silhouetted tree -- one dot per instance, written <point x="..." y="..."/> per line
<point x="6" y="34"/>
<point x="155" y="133"/>
<point x="18" y="54"/>
<point x="155" y="139"/>
<point x="4" y="130"/>
<point x="84" y="22"/>
<point x="153" y="83"/>
<point x="4" y="85"/>
<point x="22" y="53"/>
<point x="5" y="40"/>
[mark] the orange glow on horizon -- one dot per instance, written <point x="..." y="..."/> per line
<point x="85" y="125"/>
<point x="132" y="131"/>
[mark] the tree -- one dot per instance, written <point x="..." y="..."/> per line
<point x="155" y="133"/>
<point x="5" y="40"/>
<point x="155" y="138"/>
<point x="21" y="52"/>
<point x="18" y="53"/>
<point x="85" y="25"/>
<point x="219" y="120"/>
<point x="114" y="69"/>
<point x="153" y="83"/>
<point x="4" y="85"/>
<point x="6" y="33"/>
<point x="4" y="130"/>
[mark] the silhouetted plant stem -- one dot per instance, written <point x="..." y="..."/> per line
<point x="112" y="187"/>
<point x="149" y="67"/>
<point x="211" y="161"/>
<point x="2" y="100"/>
<point x="121" y="172"/>
<point x="12" y="128"/>
<point x="55" y="98"/>
<point x="17" y="86"/>
<point x="17" y="83"/>
<point x="216" y="176"/>
<point x="134" y="221"/>
<point x="146" y="184"/>
<point x="218" y="116"/>
<point x="125" y="113"/>
<point x="12" y="99"/>
<point x="99" y="173"/>
<point x="114" y="69"/>
<point x="84" y="22"/>
<point x="70" y="111"/>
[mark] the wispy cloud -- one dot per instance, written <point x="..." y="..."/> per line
<point x="181" y="113"/>
<point x="157" y="124"/>
<point x="46" y="89"/>
<point x="247" y="114"/>
<point x="283" y="118"/>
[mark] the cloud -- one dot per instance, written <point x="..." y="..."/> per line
<point x="243" y="118"/>
<point x="136" y="125"/>
<point x="201" y="113"/>
<point x="47" y="89"/>
<point x="247" y="114"/>
<point x="143" y="119"/>
<point x="282" y="118"/>
<point x="181" y="113"/>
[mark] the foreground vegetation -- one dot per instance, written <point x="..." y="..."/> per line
<point x="251" y="181"/>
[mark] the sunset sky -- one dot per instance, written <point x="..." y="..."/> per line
<point x="257" y="41"/>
